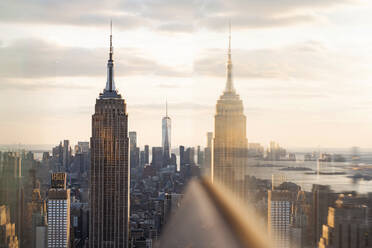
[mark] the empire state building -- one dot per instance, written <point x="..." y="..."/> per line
<point x="230" y="140"/>
<point x="109" y="179"/>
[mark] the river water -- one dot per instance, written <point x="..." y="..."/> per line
<point x="339" y="183"/>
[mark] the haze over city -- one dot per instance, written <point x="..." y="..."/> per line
<point x="302" y="68"/>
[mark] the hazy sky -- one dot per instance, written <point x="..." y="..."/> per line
<point x="302" y="67"/>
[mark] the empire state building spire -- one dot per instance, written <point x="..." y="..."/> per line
<point x="229" y="80"/>
<point x="110" y="84"/>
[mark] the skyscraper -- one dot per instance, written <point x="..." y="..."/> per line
<point x="166" y="135"/>
<point x="230" y="142"/>
<point x="323" y="197"/>
<point x="347" y="225"/>
<point x="109" y="199"/>
<point x="8" y="237"/>
<point x="279" y="217"/>
<point x="58" y="212"/>
<point x="12" y="190"/>
<point x="66" y="154"/>
<point x="157" y="157"/>
<point x="134" y="150"/>
<point x="182" y="156"/>
<point x="208" y="155"/>
<point x="147" y="154"/>
<point x="209" y="139"/>
<point x="133" y="139"/>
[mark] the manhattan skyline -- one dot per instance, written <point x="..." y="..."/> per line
<point x="296" y="67"/>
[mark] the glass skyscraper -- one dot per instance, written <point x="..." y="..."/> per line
<point x="166" y="136"/>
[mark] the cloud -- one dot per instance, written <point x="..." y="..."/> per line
<point x="256" y="22"/>
<point x="38" y="59"/>
<point x="32" y="85"/>
<point x="173" y="106"/>
<point x="167" y="85"/>
<point x="309" y="60"/>
<point x="165" y="15"/>
<point x="70" y="12"/>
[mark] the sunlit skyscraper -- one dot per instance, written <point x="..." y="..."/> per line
<point x="166" y="135"/>
<point x="279" y="217"/>
<point x="58" y="212"/>
<point x="109" y="189"/>
<point x="230" y="140"/>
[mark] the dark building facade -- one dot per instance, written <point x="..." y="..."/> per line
<point x="347" y="225"/>
<point x="109" y="189"/>
<point x="147" y="154"/>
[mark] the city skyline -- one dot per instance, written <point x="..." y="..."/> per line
<point x="185" y="64"/>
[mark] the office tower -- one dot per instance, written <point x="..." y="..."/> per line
<point x="36" y="225"/>
<point x="83" y="147"/>
<point x="189" y="156"/>
<point x="142" y="159"/>
<point x="58" y="212"/>
<point x="66" y="155"/>
<point x="279" y="217"/>
<point x="8" y="237"/>
<point x="255" y="150"/>
<point x="81" y="163"/>
<point x="182" y="156"/>
<point x="133" y="139"/>
<point x="208" y="155"/>
<point x="173" y="159"/>
<point x="109" y="199"/>
<point x="347" y="225"/>
<point x="230" y="140"/>
<point x="200" y="156"/>
<point x="57" y="153"/>
<point x="12" y="191"/>
<point x="301" y="226"/>
<point x="209" y="139"/>
<point x="157" y="157"/>
<point x="166" y="135"/>
<point x="275" y="152"/>
<point x="79" y="221"/>
<point x="323" y="197"/>
<point x="46" y="156"/>
<point x="134" y="150"/>
<point x="147" y="154"/>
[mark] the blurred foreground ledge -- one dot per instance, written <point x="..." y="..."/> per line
<point x="208" y="218"/>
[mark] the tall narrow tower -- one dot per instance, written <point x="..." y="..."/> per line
<point x="166" y="135"/>
<point x="109" y="189"/>
<point x="230" y="140"/>
<point x="58" y="212"/>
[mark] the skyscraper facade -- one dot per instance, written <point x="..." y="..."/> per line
<point x="279" y="217"/>
<point x="134" y="150"/>
<point x="347" y="225"/>
<point x="58" y="212"/>
<point x="66" y="155"/>
<point x="147" y="154"/>
<point x="230" y="140"/>
<point x="166" y="135"/>
<point x="133" y="139"/>
<point x="208" y="155"/>
<point x="109" y="199"/>
<point x="8" y="237"/>
<point x="12" y="190"/>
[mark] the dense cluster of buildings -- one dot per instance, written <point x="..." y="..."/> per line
<point x="111" y="193"/>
